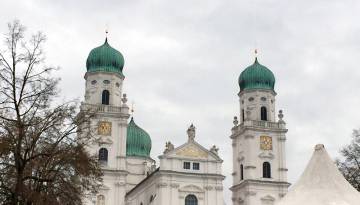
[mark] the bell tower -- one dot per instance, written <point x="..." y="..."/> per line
<point x="104" y="98"/>
<point x="123" y="148"/>
<point x="258" y="141"/>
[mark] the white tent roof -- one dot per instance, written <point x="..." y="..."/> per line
<point x="321" y="184"/>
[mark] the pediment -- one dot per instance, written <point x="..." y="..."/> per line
<point x="192" y="151"/>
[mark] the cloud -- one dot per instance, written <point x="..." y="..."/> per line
<point x="183" y="58"/>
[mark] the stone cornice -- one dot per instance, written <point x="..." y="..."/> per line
<point x="189" y="174"/>
<point x="259" y="182"/>
<point x="121" y="76"/>
<point x="272" y="92"/>
<point x="189" y="158"/>
<point x="240" y="129"/>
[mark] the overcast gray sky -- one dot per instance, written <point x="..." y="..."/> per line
<point x="183" y="58"/>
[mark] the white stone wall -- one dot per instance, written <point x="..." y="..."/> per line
<point x="121" y="173"/>
<point x="252" y="101"/>
<point x="171" y="183"/>
<point x="96" y="82"/>
<point x="138" y="169"/>
<point x="172" y="188"/>
<point x="176" y="164"/>
<point x="254" y="189"/>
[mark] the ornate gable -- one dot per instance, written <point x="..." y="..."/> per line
<point x="191" y="150"/>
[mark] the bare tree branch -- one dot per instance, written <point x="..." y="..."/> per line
<point x="41" y="154"/>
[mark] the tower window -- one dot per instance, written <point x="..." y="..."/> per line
<point x="263" y="113"/>
<point x="186" y="165"/>
<point x="196" y="166"/>
<point x="103" y="155"/>
<point x="191" y="200"/>
<point x="241" y="172"/>
<point x="105" y="98"/>
<point x="106" y="81"/>
<point x="242" y="115"/>
<point x="266" y="170"/>
<point x="93" y="82"/>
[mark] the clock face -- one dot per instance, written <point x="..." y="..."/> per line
<point x="265" y="143"/>
<point x="104" y="128"/>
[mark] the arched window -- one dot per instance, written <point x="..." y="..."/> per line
<point x="241" y="172"/>
<point x="100" y="200"/>
<point x="242" y="115"/>
<point x="105" y="98"/>
<point x="263" y="113"/>
<point x="103" y="154"/>
<point x="191" y="200"/>
<point x="266" y="170"/>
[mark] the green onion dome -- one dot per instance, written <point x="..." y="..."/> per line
<point x="105" y="58"/>
<point x="138" y="141"/>
<point x="256" y="76"/>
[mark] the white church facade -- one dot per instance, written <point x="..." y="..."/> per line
<point x="188" y="174"/>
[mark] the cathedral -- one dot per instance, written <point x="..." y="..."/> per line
<point x="189" y="174"/>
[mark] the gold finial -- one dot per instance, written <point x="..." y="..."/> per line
<point x="256" y="54"/>
<point x="106" y="30"/>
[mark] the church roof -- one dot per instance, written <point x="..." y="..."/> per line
<point x="105" y="58"/>
<point x="256" y="76"/>
<point x="321" y="184"/>
<point x="138" y="141"/>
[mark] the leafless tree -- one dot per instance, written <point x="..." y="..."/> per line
<point x="350" y="164"/>
<point x="43" y="160"/>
